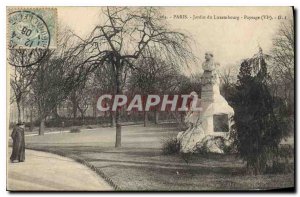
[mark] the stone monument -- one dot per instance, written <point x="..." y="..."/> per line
<point x="213" y="124"/>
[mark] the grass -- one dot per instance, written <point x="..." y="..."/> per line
<point x="141" y="165"/>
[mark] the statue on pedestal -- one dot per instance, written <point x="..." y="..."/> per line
<point x="210" y="126"/>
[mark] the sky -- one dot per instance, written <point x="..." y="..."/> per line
<point x="229" y="39"/>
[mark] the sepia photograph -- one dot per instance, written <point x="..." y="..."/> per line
<point x="138" y="99"/>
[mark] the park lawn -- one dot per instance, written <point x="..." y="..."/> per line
<point x="140" y="164"/>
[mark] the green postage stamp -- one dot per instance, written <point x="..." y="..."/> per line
<point x="31" y="28"/>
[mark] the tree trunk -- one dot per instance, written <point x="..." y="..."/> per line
<point x="19" y="111"/>
<point x="31" y="121"/>
<point x="55" y="112"/>
<point x="42" y="127"/>
<point x="118" y="91"/>
<point x="95" y="113"/>
<point x="112" y="119"/>
<point x="23" y="112"/>
<point x="82" y="118"/>
<point x="74" y="105"/>
<point x="118" y="135"/>
<point x="74" y="111"/>
<point x="145" y="118"/>
<point x="156" y="114"/>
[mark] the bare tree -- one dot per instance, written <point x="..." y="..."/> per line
<point x="23" y="68"/>
<point x="20" y="79"/>
<point x="228" y="77"/>
<point x="82" y="97"/>
<point x="283" y="51"/>
<point x="59" y="73"/>
<point x="283" y="72"/>
<point x="102" y="81"/>
<point x="124" y="38"/>
<point x="154" y="76"/>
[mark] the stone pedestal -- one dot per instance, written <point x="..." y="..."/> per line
<point x="215" y="117"/>
<point x="216" y="114"/>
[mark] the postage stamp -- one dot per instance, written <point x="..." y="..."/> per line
<point x="31" y="28"/>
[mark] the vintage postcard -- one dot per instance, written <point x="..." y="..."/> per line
<point x="150" y="98"/>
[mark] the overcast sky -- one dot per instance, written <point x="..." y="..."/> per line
<point x="229" y="40"/>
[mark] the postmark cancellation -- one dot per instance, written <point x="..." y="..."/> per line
<point x="31" y="28"/>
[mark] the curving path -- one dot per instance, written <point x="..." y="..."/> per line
<point x="46" y="171"/>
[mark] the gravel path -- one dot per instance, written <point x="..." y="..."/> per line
<point x="45" y="171"/>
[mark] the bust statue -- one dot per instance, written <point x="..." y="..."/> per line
<point x="210" y="75"/>
<point x="209" y="64"/>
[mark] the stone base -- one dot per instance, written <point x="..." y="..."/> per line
<point x="188" y="139"/>
<point x="195" y="141"/>
<point x="213" y="144"/>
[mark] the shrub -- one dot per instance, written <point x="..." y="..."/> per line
<point x="203" y="149"/>
<point x="75" y="130"/>
<point x="259" y="129"/>
<point x="171" y="146"/>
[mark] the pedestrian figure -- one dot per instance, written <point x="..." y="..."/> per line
<point x="18" y="151"/>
